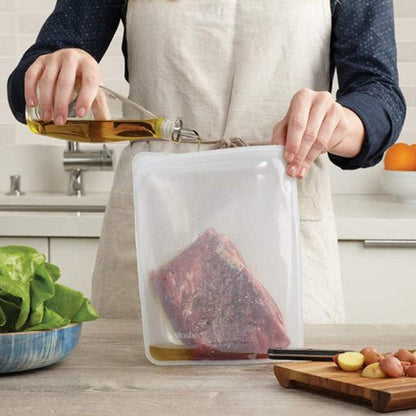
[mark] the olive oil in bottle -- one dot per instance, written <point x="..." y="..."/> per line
<point x="112" y="118"/>
<point x="96" y="131"/>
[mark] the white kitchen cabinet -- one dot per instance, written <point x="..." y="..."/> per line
<point x="76" y="259"/>
<point x="40" y="244"/>
<point x="379" y="283"/>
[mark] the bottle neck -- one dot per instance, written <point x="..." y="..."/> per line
<point x="172" y="129"/>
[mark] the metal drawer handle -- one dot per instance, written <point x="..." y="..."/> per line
<point x="390" y="243"/>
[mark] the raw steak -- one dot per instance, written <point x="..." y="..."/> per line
<point x="215" y="304"/>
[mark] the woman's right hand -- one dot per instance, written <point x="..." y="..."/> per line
<point x="57" y="73"/>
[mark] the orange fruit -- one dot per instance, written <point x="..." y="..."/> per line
<point x="400" y="156"/>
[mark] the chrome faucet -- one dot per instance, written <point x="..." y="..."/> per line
<point x="77" y="161"/>
<point x="15" y="186"/>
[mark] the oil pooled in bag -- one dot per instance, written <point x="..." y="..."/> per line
<point x="171" y="352"/>
<point x="96" y="131"/>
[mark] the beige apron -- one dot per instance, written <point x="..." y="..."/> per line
<point x="228" y="68"/>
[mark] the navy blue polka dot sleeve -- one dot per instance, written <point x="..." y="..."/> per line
<point x="364" y="53"/>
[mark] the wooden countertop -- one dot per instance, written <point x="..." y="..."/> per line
<point x="108" y="374"/>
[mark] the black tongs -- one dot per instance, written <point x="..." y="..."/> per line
<point x="308" y="354"/>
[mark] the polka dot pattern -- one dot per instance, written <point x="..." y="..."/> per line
<point x="364" y="55"/>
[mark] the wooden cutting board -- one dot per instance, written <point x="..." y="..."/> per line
<point x="384" y="395"/>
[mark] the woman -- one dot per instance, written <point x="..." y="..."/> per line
<point x="260" y="70"/>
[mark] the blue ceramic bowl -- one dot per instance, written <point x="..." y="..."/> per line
<point x="20" y="351"/>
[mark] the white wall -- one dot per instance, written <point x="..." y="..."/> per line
<point x="20" y="21"/>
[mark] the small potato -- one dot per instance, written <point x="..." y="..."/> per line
<point x="364" y="350"/>
<point x="392" y="366"/>
<point x="351" y="361"/>
<point x="373" y="371"/>
<point x="405" y="365"/>
<point x="371" y="355"/>
<point x="335" y="359"/>
<point x="411" y="371"/>
<point x="405" y="355"/>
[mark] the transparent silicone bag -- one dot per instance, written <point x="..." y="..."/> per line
<point x="217" y="237"/>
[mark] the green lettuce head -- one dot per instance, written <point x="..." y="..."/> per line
<point x="30" y="298"/>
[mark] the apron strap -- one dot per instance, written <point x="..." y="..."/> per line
<point x="228" y="142"/>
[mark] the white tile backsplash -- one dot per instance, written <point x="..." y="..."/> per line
<point x="7" y="64"/>
<point x="41" y="168"/>
<point x="3" y="90"/>
<point x="8" y="6"/>
<point x="8" y="133"/>
<point x="25" y="6"/>
<point x="405" y="29"/>
<point x="8" y="23"/>
<point x="404" y="8"/>
<point x="20" y="21"/>
<point x="5" y="114"/>
<point x="408" y="136"/>
<point x="26" y="40"/>
<point x="407" y="73"/>
<point x="8" y="45"/>
<point x="410" y="122"/>
<point x="26" y="137"/>
<point x="406" y="51"/>
<point x="410" y="95"/>
<point x="361" y="181"/>
<point x="30" y="22"/>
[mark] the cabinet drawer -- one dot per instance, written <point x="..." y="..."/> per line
<point x="76" y="259"/>
<point x="379" y="281"/>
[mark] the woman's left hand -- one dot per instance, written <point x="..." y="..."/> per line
<point x="315" y="123"/>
